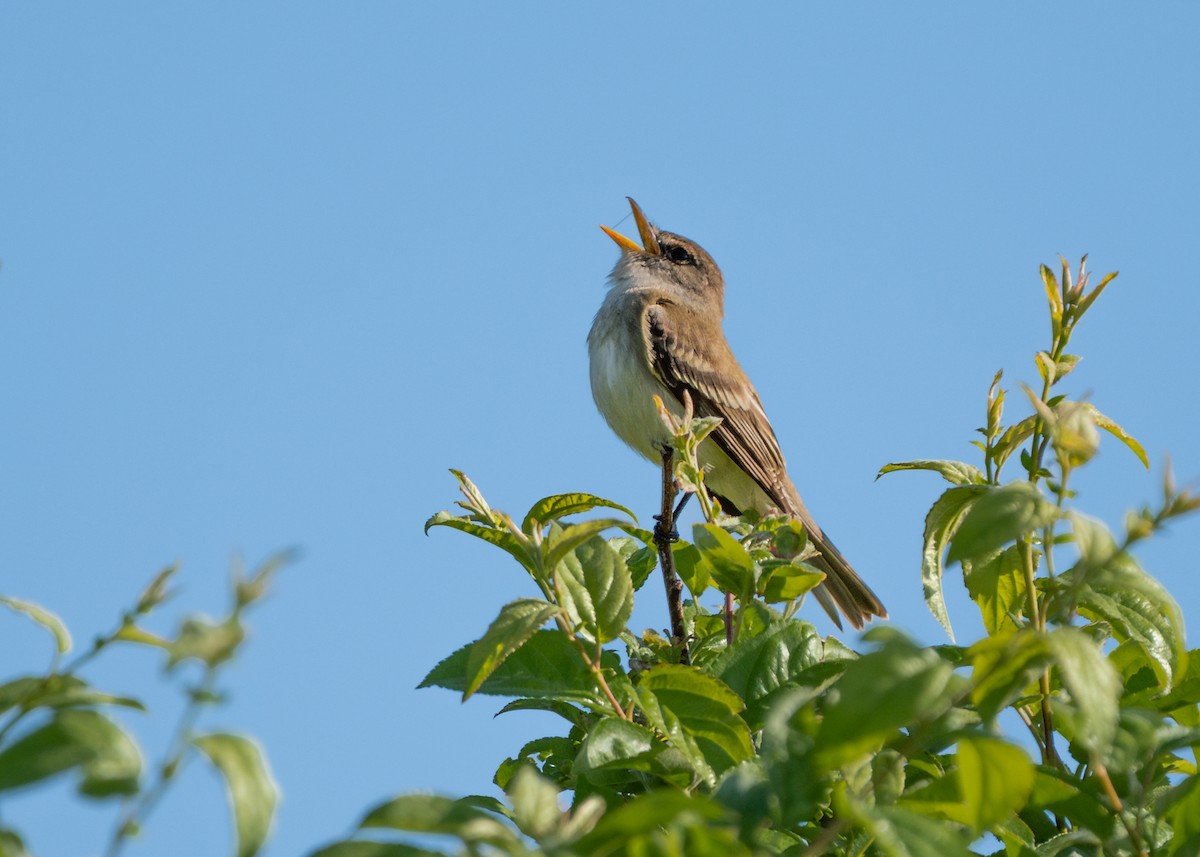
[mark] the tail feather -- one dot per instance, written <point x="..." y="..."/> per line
<point x="842" y="588"/>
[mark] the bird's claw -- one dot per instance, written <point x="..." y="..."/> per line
<point x="663" y="536"/>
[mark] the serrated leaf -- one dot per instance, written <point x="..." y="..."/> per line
<point x="249" y="786"/>
<point x="568" y="712"/>
<point x="998" y="517"/>
<point x="1094" y="685"/>
<point x="1138" y="609"/>
<point x="1119" y="433"/>
<point x="43" y="617"/>
<point x="510" y="630"/>
<point x="560" y="505"/>
<point x="562" y="541"/>
<point x="757" y="668"/>
<point x="600" y="588"/>
<point x="698" y="714"/>
<point x="547" y="666"/>
<point x="997" y="584"/>
<point x="941" y="523"/>
<point x="954" y="472"/>
<point x="725" y="559"/>
<point x="502" y="538"/>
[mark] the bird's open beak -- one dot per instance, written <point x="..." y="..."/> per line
<point x="644" y="229"/>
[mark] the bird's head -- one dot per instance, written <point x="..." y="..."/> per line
<point x="666" y="260"/>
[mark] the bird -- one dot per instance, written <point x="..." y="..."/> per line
<point x="659" y="333"/>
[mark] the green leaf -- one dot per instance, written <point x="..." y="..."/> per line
<point x="1093" y="683"/>
<point x="898" y="832"/>
<point x="1141" y="610"/>
<point x="1110" y="586"/>
<point x="535" y="803"/>
<point x="565" y="710"/>
<point x="699" y="716"/>
<point x="560" y="505"/>
<point x="1004" y="666"/>
<point x="615" y="743"/>
<point x="421" y="813"/>
<point x="131" y="633"/>
<point x="787" y="580"/>
<point x="206" y="641"/>
<point x="620" y="831"/>
<point x="599" y="588"/>
<point x="757" y="668"/>
<point x="249" y="785"/>
<point x="997" y="584"/>
<point x="156" y="591"/>
<point x="39" y="614"/>
<point x="1046" y="367"/>
<point x="11" y="844"/>
<point x="547" y="666"/>
<point x="691" y="568"/>
<point x="109" y="760"/>
<point x="1011" y="438"/>
<point x="57" y="691"/>
<point x="877" y="695"/>
<point x="366" y="848"/>
<point x="1184" y="818"/>
<point x="954" y="472"/>
<point x="995" y="777"/>
<point x="1065" y="365"/>
<point x="941" y="523"/>
<point x="1116" y="431"/>
<point x="998" y="517"/>
<point x="1054" y="297"/>
<point x="562" y="541"/>
<point x="640" y="559"/>
<point x="518" y="621"/>
<point x="504" y="539"/>
<point x="727" y="562"/>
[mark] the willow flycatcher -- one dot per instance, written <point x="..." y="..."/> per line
<point x="658" y="333"/>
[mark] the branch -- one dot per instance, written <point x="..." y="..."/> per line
<point x="664" y="535"/>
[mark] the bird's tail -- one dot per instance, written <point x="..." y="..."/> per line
<point x="842" y="588"/>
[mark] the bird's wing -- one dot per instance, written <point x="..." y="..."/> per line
<point x="745" y="434"/>
<point x="746" y="437"/>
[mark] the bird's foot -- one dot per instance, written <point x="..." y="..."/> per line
<point x="663" y="536"/>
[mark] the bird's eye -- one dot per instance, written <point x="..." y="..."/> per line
<point x="679" y="255"/>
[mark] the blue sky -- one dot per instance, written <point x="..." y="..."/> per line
<point x="270" y="270"/>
